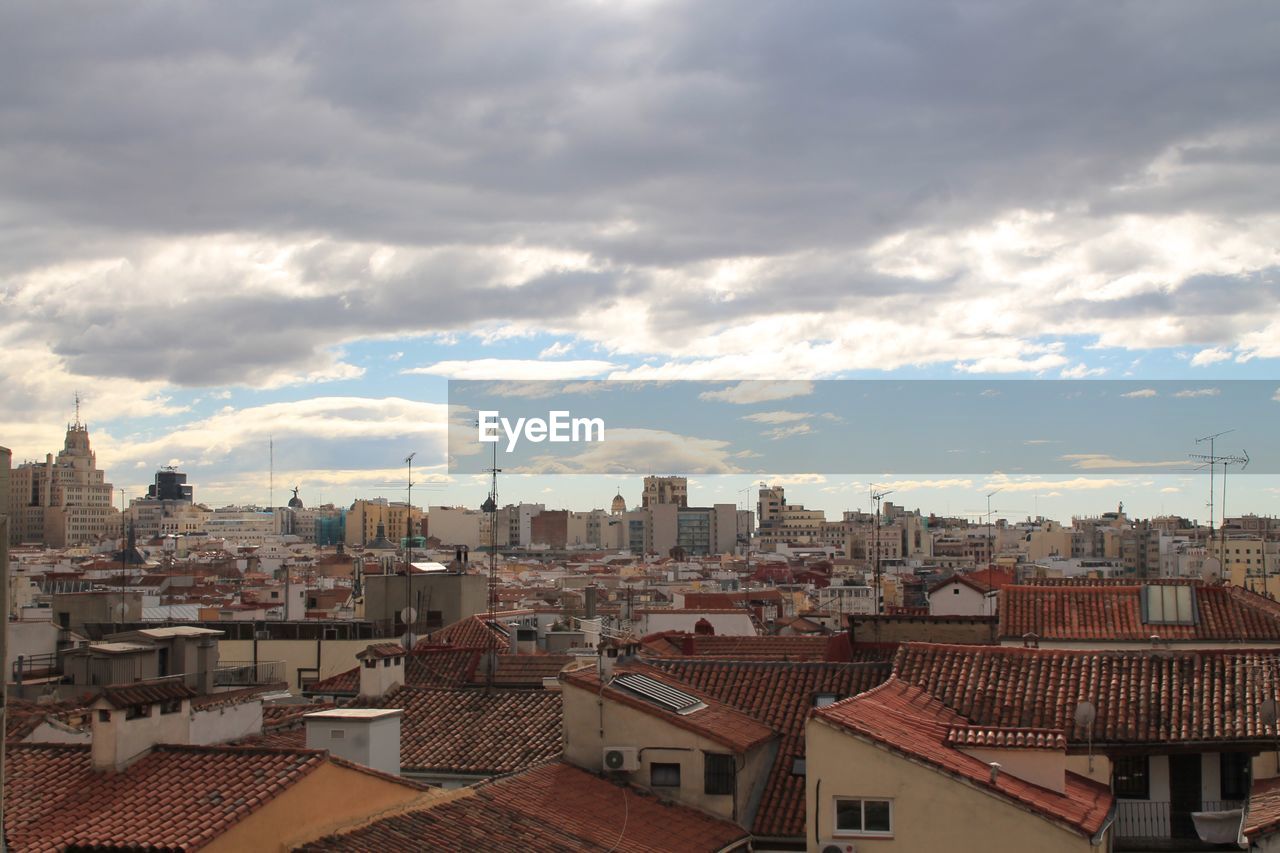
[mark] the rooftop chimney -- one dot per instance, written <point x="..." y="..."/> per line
<point x="366" y="736"/>
<point x="381" y="669"/>
<point x="128" y="720"/>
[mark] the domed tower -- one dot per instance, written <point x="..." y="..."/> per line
<point x="295" y="502"/>
<point x="619" y="505"/>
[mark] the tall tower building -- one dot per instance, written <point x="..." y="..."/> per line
<point x="64" y="500"/>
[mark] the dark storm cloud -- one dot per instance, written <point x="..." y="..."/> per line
<point x="649" y="137"/>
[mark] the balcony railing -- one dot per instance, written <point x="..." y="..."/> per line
<point x="1151" y="819"/>
<point x="248" y="673"/>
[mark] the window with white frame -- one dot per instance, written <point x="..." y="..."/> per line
<point x="863" y="817"/>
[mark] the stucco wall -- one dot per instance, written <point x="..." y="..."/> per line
<point x="585" y="720"/>
<point x="326" y="800"/>
<point x="931" y="810"/>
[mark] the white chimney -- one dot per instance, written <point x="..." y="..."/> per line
<point x="367" y="736"/>
<point x="381" y="669"/>
<point x="129" y="720"/>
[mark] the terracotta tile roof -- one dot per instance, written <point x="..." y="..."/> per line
<point x="681" y="644"/>
<point x="283" y="715"/>
<point x="22" y="717"/>
<point x="426" y="665"/>
<point x="523" y="670"/>
<point x="780" y="695"/>
<point x="1114" y="613"/>
<point x="465" y="730"/>
<point x="909" y="721"/>
<point x="1142" y="696"/>
<point x="444" y="666"/>
<point x="718" y="722"/>
<point x="382" y="650"/>
<point x="146" y="693"/>
<point x="474" y="632"/>
<point x="1002" y="737"/>
<point x="176" y="797"/>
<point x="1262" y="814"/>
<point x="550" y="809"/>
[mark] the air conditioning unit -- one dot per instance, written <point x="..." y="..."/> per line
<point x="832" y="845"/>
<point x="621" y="758"/>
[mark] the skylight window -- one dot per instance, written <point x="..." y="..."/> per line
<point x="1168" y="605"/>
<point x="659" y="693"/>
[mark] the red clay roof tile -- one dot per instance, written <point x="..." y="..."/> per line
<point x="549" y="809"/>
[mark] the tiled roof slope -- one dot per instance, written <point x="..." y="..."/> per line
<point x="1262" y="815"/>
<point x="779" y="695"/>
<point x="475" y="632"/>
<point x="1142" y="696"/>
<point x="1114" y="613"/>
<point x="464" y="730"/>
<point x="424" y="666"/>
<point x="909" y="721"/>
<point x="791" y="647"/>
<point x="444" y="666"/>
<point x="550" y="809"/>
<point x="718" y="721"/>
<point x="175" y="797"/>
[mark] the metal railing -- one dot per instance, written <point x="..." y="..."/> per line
<point x="248" y="673"/>
<point x="1153" y="818"/>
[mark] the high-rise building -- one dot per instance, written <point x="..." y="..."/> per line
<point x="167" y="509"/>
<point x="64" y="500"/>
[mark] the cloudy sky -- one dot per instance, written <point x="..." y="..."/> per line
<point x="230" y="222"/>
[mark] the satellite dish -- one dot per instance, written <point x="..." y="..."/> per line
<point x="408" y="615"/>
<point x="408" y="641"/>
<point x="1267" y="710"/>
<point x="1085" y="714"/>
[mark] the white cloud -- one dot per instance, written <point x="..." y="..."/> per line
<point x="517" y="369"/>
<point x="780" y="433"/>
<point x="1198" y="392"/>
<point x="556" y="350"/>
<point x="638" y="451"/>
<point x="908" y="485"/>
<point x="1209" y="356"/>
<point x="1106" y="462"/>
<point x="1080" y="370"/>
<point x="759" y="391"/>
<point x="1041" y="485"/>
<point x="776" y="417"/>
<point x="1141" y="393"/>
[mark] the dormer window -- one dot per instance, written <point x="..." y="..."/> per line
<point x="1168" y="605"/>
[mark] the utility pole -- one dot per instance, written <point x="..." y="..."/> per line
<point x="877" y="496"/>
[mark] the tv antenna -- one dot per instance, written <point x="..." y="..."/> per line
<point x="877" y="497"/>
<point x="1212" y="459"/>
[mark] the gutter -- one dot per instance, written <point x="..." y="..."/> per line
<point x="1106" y="824"/>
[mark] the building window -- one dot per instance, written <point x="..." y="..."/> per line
<point x="1132" y="778"/>
<point x="719" y="769"/>
<point x="133" y="712"/>
<point x="171" y="706"/>
<point x="1168" y="605"/>
<point x="664" y="775"/>
<point x="1234" y="775"/>
<point x="822" y="700"/>
<point x="864" y="817"/>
